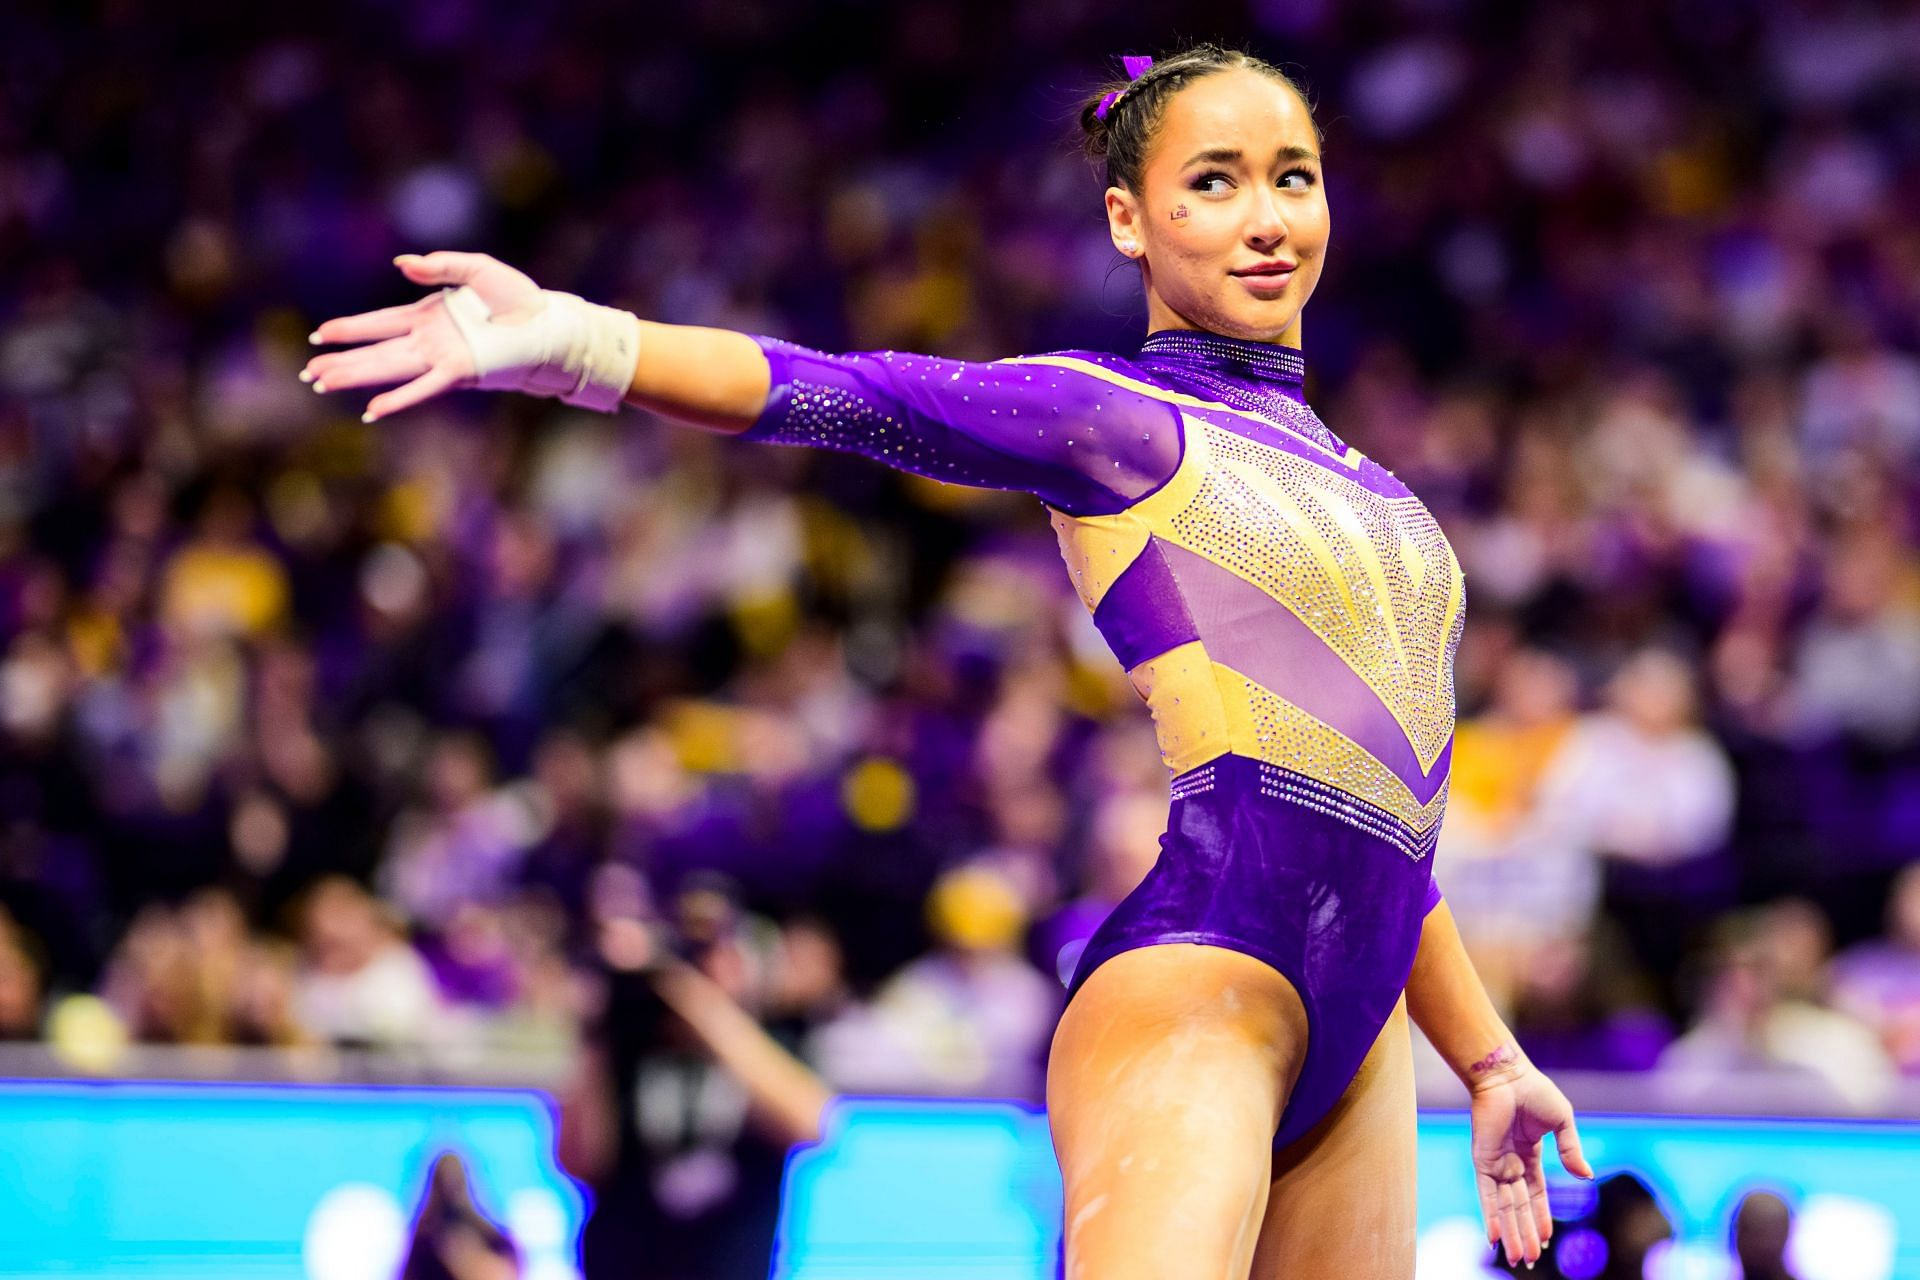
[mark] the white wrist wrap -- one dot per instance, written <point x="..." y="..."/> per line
<point x="576" y="350"/>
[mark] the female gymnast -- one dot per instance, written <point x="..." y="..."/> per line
<point x="1231" y="1085"/>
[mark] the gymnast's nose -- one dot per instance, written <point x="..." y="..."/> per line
<point x="1266" y="227"/>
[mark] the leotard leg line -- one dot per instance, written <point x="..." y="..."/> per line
<point x="1255" y="860"/>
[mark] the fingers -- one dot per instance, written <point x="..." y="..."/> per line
<point x="390" y="322"/>
<point x="425" y="387"/>
<point x="1503" y="1227"/>
<point x="442" y="266"/>
<point x="384" y="363"/>
<point x="1515" y="1208"/>
<point x="372" y="326"/>
<point x="1537" y="1195"/>
<point x="1510" y="1237"/>
<point x="1567" y="1138"/>
<point x="1526" y="1219"/>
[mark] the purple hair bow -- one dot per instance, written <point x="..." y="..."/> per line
<point x="1135" y="68"/>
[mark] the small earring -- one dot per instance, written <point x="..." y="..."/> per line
<point x="1129" y="248"/>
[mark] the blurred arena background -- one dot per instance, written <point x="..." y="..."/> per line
<point x="336" y="756"/>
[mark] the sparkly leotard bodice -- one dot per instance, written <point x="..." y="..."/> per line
<point x="1287" y="609"/>
<point x="1271" y="593"/>
<point x="1283" y="598"/>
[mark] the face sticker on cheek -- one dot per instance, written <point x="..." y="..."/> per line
<point x="1179" y="212"/>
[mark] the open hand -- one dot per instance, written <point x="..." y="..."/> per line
<point x="1510" y="1118"/>
<point x="418" y="344"/>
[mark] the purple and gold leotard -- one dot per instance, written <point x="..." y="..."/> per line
<point x="1285" y="607"/>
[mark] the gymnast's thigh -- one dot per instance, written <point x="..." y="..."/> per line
<point x="1167" y="1078"/>
<point x="1342" y="1197"/>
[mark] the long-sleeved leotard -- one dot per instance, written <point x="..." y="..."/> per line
<point x="1004" y="425"/>
<point x="1285" y="607"/>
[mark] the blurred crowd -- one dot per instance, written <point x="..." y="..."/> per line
<point x="313" y="732"/>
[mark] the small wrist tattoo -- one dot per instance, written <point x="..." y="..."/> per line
<point x="1179" y="212"/>
<point x="1505" y="1056"/>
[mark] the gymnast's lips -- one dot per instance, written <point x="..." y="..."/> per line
<point x="1274" y="268"/>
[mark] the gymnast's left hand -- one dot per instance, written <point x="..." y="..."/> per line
<point x="1511" y="1116"/>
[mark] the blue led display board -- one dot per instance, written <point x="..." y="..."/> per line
<point x="169" y="1181"/>
<point x="933" y="1190"/>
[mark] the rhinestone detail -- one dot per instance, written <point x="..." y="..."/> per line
<point x="1372" y="576"/>
<point x="1285" y="735"/>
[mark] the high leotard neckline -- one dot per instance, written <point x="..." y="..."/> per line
<point x="1263" y="378"/>
<point x="1260" y="368"/>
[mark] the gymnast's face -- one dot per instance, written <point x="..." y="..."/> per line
<point x="1230" y="199"/>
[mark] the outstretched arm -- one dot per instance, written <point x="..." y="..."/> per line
<point x="1082" y="443"/>
<point x="1085" y="445"/>
<point x="712" y="378"/>
<point x="1514" y="1106"/>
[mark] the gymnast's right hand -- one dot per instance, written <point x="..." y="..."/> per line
<point x="489" y="327"/>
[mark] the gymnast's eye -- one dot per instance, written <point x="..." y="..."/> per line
<point x="1302" y="172"/>
<point x="1204" y="181"/>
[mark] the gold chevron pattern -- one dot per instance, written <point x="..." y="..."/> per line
<point x="1202" y="708"/>
<point x="1372" y="576"/>
<point x="1285" y="735"/>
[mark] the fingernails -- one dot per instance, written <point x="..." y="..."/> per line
<point x="367" y="417"/>
<point x="1529" y="1264"/>
<point x="314" y="337"/>
<point x="305" y="376"/>
<point x="321" y="387"/>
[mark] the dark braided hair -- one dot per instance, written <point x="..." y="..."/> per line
<point x="1120" y="141"/>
